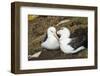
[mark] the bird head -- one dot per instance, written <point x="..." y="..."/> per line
<point x="64" y="32"/>
<point x="52" y="32"/>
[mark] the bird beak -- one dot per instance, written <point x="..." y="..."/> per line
<point x="55" y="35"/>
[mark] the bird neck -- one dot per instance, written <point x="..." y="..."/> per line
<point x="65" y="35"/>
<point x="50" y="35"/>
<point x="64" y="39"/>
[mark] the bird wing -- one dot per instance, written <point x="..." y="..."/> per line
<point x="78" y="41"/>
<point x="44" y="38"/>
<point x="79" y="38"/>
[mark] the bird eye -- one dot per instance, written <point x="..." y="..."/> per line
<point x="51" y="31"/>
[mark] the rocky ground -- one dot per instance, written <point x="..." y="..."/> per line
<point x="37" y="27"/>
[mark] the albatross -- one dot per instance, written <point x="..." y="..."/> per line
<point x="65" y="42"/>
<point x="51" y="41"/>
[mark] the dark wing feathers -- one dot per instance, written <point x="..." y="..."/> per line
<point x="79" y="38"/>
<point x="78" y="41"/>
<point x="44" y="38"/>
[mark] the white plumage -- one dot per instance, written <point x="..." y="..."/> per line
<point x="65" y="40"/>
<point x="51" y="41"/>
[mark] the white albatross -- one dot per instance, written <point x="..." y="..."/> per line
<point x="65" y="40"/>
<point x="51" y="42"/>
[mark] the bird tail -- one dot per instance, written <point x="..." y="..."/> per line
<point x="78" y="49"/>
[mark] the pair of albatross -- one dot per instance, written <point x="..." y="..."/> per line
<point x="53" y="42"/>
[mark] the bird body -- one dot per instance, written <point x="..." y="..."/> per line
<point x="51" y="42"/>
<point x="65" y="40"/>
<point x="68" y="48"/>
